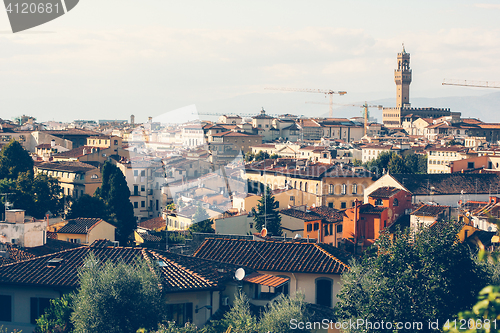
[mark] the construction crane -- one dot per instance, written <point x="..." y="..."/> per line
<point x="364" y="106"/>
<point x="470" y="83"/>
<point x="321" y="91"/>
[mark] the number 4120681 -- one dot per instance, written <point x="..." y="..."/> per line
<point x="32" y="8"/>
<point x="464" y="324"/>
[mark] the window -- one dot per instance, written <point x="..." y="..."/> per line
<point x="339" y="228"/>
<point x="343" y="205"/>
<point x="470" y="165"/>
<point x="37" y="308"/>
<point x="324" y="291"/>
<point x="136" y="190"/>
<point x="136" y="173"/>
<point x="378" y="202"/>
<point x="180" y="313"/>
<point x="136" y="204"/>
<point x="330" y="204"/>
<point x="344" y="189"/>
<point x="395" y="202"/>
<point x="143" y="188"/>
<point x="143" y="173"/>
<point x="354" y="188"/>
<point x="143" y="203"/>
<point x="309" y="227"/>
<point x="316" y="226"/>
<point x="5" y="308"/>
<point x="330" y="189"/>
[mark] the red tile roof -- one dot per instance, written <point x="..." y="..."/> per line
<point x="384" y="192"/>
<point x="275" y="256"/>
<point x="178" y="272"/>
<point x="151" y="224"/>
<point x="81" y="225"/>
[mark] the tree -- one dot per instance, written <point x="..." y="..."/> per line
<point x="274" y="156"/>
<point x="267" y="214"/>
<point x="397" y="164"/>
<point x="261" y="155"/>
<point x="240" y="317"/>
<point x="57" y="318"/>
<point x="280" y="315"/>
<point x="412" y="278"/>
<point x="201" y="221"/>
<point x="14" y="160"/>
<point x="116" y="194"/>
<point x="249" y="156"/>
<point x="38" y="195"/>
<point x="88" y="206"/>
<point x="117" y="297"/>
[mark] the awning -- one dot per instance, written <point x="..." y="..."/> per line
<point x="265" y="279"/>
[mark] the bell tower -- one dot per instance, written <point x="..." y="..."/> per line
<point x="402" y="77"/>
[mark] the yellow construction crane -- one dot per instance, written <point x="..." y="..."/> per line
<point x="364" y="106"/>
<point x="321" y="91"/>
<point x="471" y="83"/>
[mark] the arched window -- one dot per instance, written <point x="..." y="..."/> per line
<point x="300" y="186"/>
<point x="395" y="202"/>
<point x="354" y="188"/>
<point x="324" y="291"/>
<point x="378" y="202"/>
<point x="305" y="186"/>
<point x="317" y="186"/>
<point x="344" y="189"/>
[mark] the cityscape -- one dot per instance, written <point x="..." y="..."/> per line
<point x="248" y="211"/>
<point x="249" y="167"/>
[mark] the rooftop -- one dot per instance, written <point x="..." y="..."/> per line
<point x="81" y="225"/>
<point x="276" y="256"/>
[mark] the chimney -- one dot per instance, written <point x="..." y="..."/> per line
<point x="52" y="143"/>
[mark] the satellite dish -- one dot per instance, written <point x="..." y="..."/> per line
<point x="239" y="274"/>
<point x="263" y="233"/>
<point x="297" y="236"/>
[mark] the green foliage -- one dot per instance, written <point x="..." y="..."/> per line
<point x="279" y="313"/>
<point x="239" y="317"/>
<point x="56" y="318"/>
<point x="201" y="221"/>
<point x="261" y="155"/>
<point x="274" y="156"/>
<point x="116" y="194"/>
<point x="87" y="206"/>
<point x="38" y="194"/>
<point x="171" y="206"/>
<point x="249" y="156"/>
<point x="413" y="278"/>
<point x="5" y="330"/>
<point x="14" y="160"/>
<point x="357" y="162"/>
<point x="170" y="327"/>
<point x="117" y="297"/>
<point x="485" y="314"/>
<point x="392" y="162"/>
<point x="267" y="214"/>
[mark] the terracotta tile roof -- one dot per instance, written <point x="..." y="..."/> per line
<point x="65" y="166"/>
<point x="75" y="152"/>
<point x="370" y="209"/>
<point x="44" y="146"/>
<point x="384" y="192"/>
<point x="151" y="224"/>
<point x="275" y="256"/>
<point x="265" y="279"/>
<point x="329" y="214"/>
<point x="178" y="272"/>
<point x="81" y="225"/>
<point x="448" y="183"/>
<point x="429" y="210"/>
<point x="13" y="254"/>
<point x="306" y="216"/>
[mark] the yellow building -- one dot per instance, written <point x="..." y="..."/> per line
<point x="332" y="185"/>
<point x="75" y="178"/>
<point x="84" y="230"/>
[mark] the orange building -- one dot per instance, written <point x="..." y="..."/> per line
<point x="363" y="223"/>
<point x="396" y="200"/>
<point x="327" y="227"/>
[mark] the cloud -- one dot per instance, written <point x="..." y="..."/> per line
<point x="487" y="5"/>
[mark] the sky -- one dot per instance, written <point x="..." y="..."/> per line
<point x="113" y="58"/>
